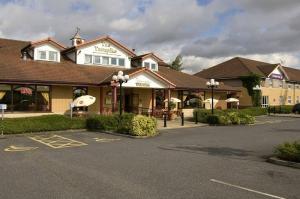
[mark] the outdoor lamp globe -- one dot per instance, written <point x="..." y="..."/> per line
<point x="115" y="78"/>
<point x="120" y="73"/>
<point x="126" y="77"/>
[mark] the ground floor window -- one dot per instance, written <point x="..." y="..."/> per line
<point x="298" y="100"/>
<point x="159" y="99"/>
<point x="289" y="99"/>
<point x="25" y="97"/>
<point x="265" y="101"/>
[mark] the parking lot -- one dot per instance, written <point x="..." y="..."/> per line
<point x="202" y="162"/>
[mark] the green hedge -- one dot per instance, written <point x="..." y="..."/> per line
<point x="289" y="151"/>
<point x="284" y="109"/>
<point x="136" y="125"/>
<point x="40" y="123"/>
<point x="227" y="117"/>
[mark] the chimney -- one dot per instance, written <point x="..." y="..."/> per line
<point x="133" y="50"/>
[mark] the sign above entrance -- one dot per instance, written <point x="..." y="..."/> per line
<point x="144" y="80"/>
<point x="140" y="83"/>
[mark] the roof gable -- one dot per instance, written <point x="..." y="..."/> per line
<point x="99" y="39"/>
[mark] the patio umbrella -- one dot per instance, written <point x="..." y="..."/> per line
<point x="209" y="100"/>
<point x="232" y="100"/>
<point x="85" y="100"/>
<point x="173" y="99"/>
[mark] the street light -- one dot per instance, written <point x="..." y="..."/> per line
<point x="120" y="78"/>
<point x="212" y="84"/>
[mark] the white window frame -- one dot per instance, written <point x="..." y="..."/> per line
<point x="94" y="60"/>
<point x="265" y="101"/>
<point x="55" y="57"/>
<point x="155" y="66"/>
<point x="122" y="60"/>
<point x="39" y="55"/>
<point x="85" y="60"/>
<point x="111" y="61"/>
<point x="104" y="58"/>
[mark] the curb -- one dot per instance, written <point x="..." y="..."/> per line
<point x="126" y="135"/>
<point x="42" y="132"/>
<point x="277" y="161"/>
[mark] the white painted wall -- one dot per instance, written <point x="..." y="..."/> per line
<point x="151" y="61"/>
<point x="47" y="48"/>
<point x="114" y="52"/>
<point x="144" y="80"/>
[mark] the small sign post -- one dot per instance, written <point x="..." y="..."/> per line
<point x="71" y="109"/>
<point x="3" y="107"/>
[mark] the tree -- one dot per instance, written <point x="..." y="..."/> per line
<point x="177" y="63"/>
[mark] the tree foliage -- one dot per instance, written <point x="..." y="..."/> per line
<point x="250" y="82"/>
<point x="177" y="63"/>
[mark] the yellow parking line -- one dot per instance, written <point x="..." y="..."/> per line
<point x="13" y="148"/>
<point x="57" y="141"/>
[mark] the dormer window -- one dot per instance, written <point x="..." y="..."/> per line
<point x="42" y="55"/>
<point x="52" y="56"/>
<point x="153" y="66"/>
<point x="147" y="65"/>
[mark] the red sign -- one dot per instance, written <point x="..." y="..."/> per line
<point x="25" y="91"/>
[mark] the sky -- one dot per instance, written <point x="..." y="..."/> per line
<point x="204" y="32"/>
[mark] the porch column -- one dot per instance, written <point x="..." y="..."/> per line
<point x="101" y="101"/>
<point x="153" y="105"/>
<point x="169" y="100"/>
<point x="114" y="98"/>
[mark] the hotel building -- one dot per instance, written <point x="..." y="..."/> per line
<point x="46" y="76"/>
<point x="279" y="85"/>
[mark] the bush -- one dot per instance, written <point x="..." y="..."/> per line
<point x="284" y="109"/>
<point x="144" y="126"/>
<point x="227" y="117"/>
<point x="203" y="113"/>
<point x="253" y="111"/>
<point x="289" y="151"/>
<point x="234" y="118"/>
<point x="40" y="123"/>
<point x="102" y="122"/>
<point x="213" y="119"/>
<point x="136" y="125"/>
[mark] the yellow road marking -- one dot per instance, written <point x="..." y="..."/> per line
<point x="57" y="142"/>
<point x="13" y="148"/>
<point x="105" y="139"/>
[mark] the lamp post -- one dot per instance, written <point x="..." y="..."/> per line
<point x="120" y="78"/>
<point x="212" y="84"/>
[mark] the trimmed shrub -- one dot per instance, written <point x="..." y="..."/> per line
<point x="125" y="123"/>
<point x="144" y="126"/>
<point x="253" y="111"/>
<point x="203" y="113"/>
<point x="102" y="122"/>
<point x="246" y="119"/>
<point x="213" y="119"/>
<point x="284" y="109"/>
<point x="40" y="123"/>
<point x="136" y="125"/>
<point x="234" y="117"/>
<point x="289" y="151"/>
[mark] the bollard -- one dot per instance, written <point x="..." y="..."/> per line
<point x="182" y="119"/>
<point x="196" y="117"/>
<point x="165" y="119"/>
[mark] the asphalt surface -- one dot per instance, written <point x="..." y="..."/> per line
<point x="203" y="162"/>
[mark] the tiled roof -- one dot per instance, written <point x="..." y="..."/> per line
<point x="232" y="68"/>
<point x="14" y="69"/>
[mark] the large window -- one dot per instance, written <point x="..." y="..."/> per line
<point x="105" y="60"/>
<point x="113" y="61"/>
<point x="289" y="99"/>
<point x="25" y="97"/>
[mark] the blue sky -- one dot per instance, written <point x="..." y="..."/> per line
<point x="205" y="32"/>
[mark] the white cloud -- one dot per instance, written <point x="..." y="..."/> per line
<point x="206" y="35"/>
